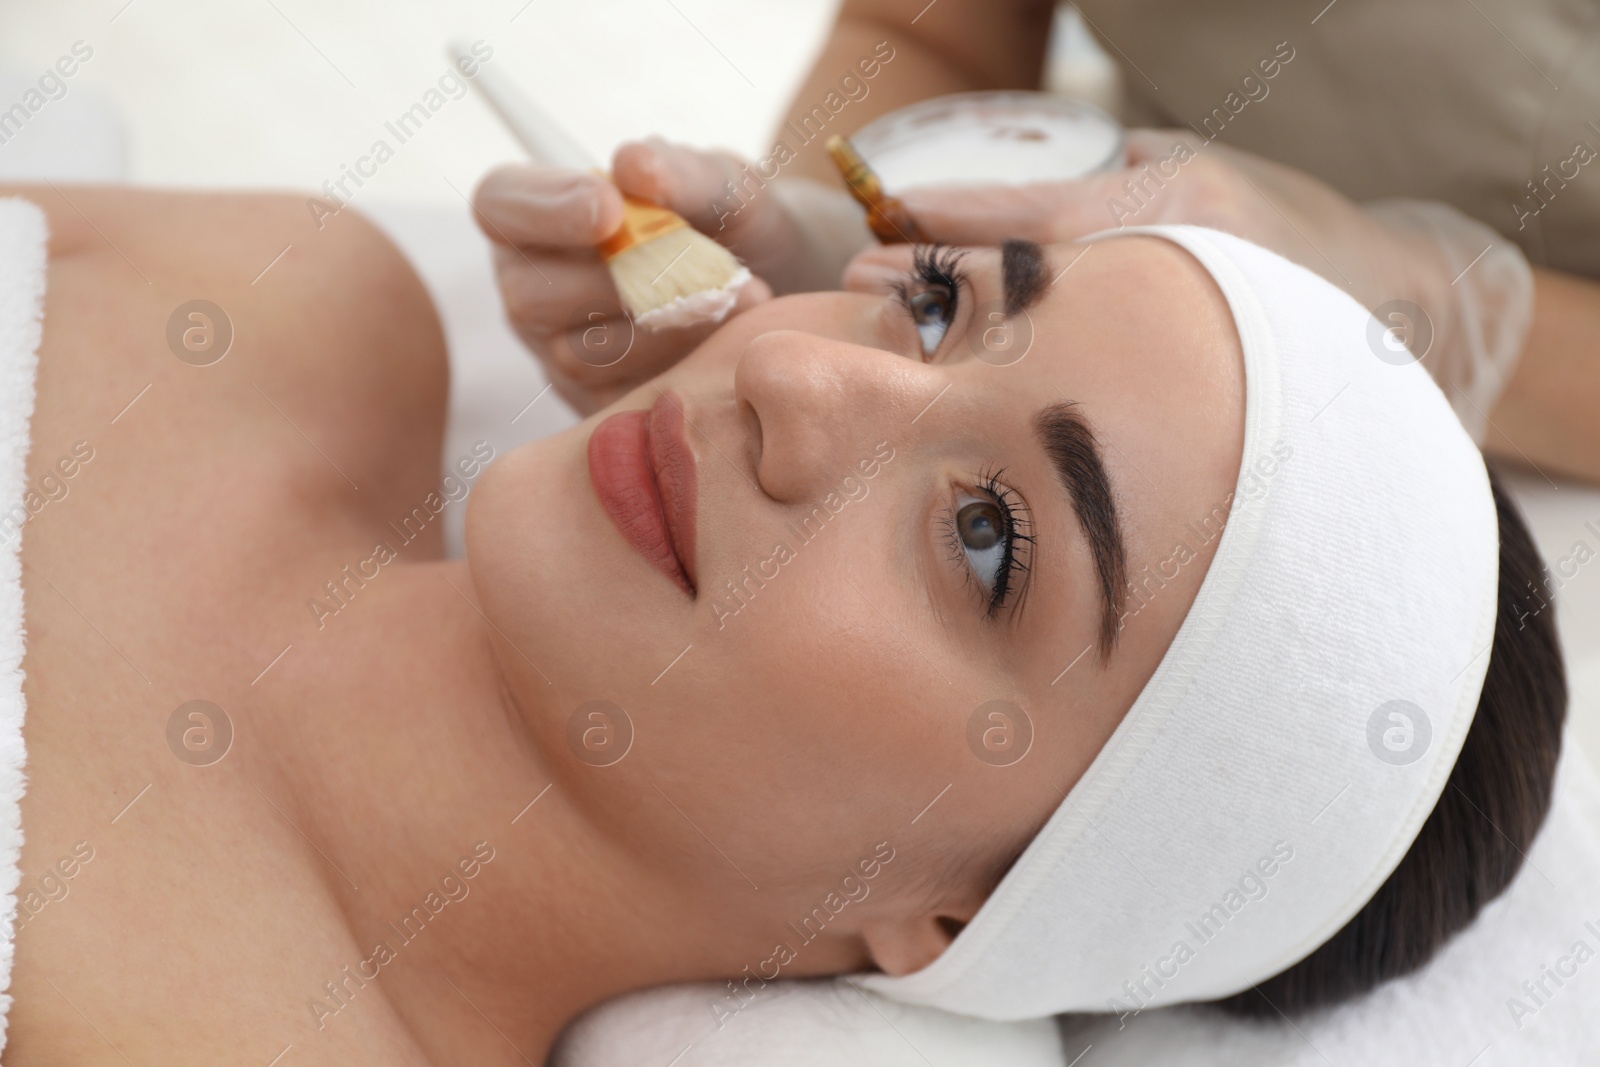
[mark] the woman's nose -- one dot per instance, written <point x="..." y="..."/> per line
<point x="823" y="406"/>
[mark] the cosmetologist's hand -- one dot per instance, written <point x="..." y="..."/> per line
<point x="1448" y="287"/>
<point x="545" y="223"/>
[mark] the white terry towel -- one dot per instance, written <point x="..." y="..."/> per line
<point x="23" y="239"/>
<point x="1467" y="1006"/>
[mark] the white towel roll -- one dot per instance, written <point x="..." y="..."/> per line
<point x="23" y="255"/>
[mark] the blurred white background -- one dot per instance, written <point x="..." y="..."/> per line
<point x="285" y="92"/>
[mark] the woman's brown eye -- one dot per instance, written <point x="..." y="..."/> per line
<point x="931" y="312"/>
<point x="983" y="529"/>
<point x="980" y="525"/>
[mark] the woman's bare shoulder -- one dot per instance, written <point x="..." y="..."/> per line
<point x="219" y="341"/>
<point x="229" y="401"/>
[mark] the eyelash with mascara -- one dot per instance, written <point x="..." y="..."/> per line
<point x="935" y="269"/>
<point x="1015" y="523"/>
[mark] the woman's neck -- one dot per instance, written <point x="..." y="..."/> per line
<point x="476" y="892"/>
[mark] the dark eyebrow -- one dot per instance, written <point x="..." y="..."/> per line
<point x="1075" y="453"/>
<point x="1022" y="275"/>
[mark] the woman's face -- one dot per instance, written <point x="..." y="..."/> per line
<point x="931" y="565"/>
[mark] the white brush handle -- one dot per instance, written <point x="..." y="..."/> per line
<point x="546" y="142"/>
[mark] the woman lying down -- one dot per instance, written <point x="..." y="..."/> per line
<point x="1189" y="657"/>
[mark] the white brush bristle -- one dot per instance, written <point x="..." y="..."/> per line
<point x="679" y="278"/>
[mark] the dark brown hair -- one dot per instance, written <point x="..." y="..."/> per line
<point x="1474" y="841"/>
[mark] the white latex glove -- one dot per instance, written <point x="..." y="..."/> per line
<point x="1473" y="287"/>
<point x="1481" y="314"/>
<point x="545" y="222"/>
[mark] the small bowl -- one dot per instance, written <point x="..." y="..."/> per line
<point x="991" y="138"/>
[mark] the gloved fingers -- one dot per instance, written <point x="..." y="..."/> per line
<point x="607" y="356"/>
<point x="718" y="194"/>
<point x="687" y="180"/>
<point x="1047" y="212"/>
<point x="1168" y="184"/>
<point x="536" y="206"/>
<point x="591" y="350"/>
<point x="542" y="288"/>
<point x="1147" y="146"/>
<point x="876" y="270"/>
<point x="559" y="295"/>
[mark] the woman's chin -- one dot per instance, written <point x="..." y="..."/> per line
<point x="552" y="572"/>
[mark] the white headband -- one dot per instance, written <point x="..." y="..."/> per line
<point x="1299" y="730"/>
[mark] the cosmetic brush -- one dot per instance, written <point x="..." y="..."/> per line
<point x="887" y="216"/>
<point x="667" y="272"/>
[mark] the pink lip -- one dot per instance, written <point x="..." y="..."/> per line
<point x="644" y="475"/>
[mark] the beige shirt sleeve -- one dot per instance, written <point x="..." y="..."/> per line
<point x="1491" y="106"/>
